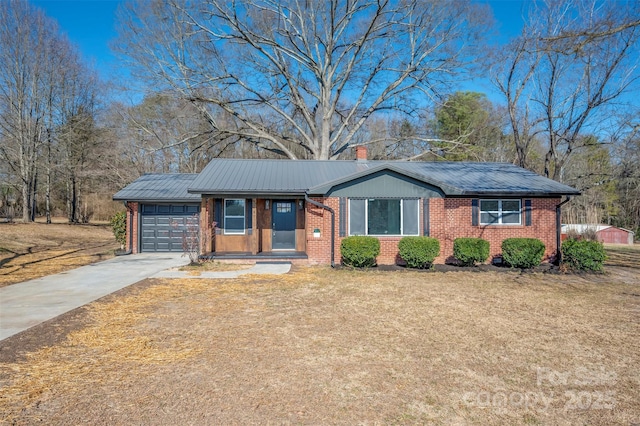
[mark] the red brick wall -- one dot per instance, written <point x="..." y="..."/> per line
<point x="449" y="219"/>
<point x="133" y="206"/>
<point x="319" y="249"/>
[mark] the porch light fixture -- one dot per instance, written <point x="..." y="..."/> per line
<point x="300" y="204"/>
<point x="266" y="204"/>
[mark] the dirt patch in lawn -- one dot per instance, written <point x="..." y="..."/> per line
<point x="33" y="250"/>
<point x="623" y="262"/>
<point x="320" y="346"/>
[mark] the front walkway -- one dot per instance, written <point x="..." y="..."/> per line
<point x="273" y="268"/>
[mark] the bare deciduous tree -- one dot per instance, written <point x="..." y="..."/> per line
<point x="26" y="37"/>
<point x="161" y="134"/>
<point x="577" y="84"/>
<point x="512" y="72"/>
<point x="557" y="86"/>
<point x="627" y="175"/>
<point x="47" y="103"/>
<point x="592" y="22"/>
<point x="298" y="74"/>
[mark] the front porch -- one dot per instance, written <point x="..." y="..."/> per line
<point x="235" y="228"/>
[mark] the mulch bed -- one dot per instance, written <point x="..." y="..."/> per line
<point x="546" y="268"/>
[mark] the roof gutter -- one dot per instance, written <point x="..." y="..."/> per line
<point x="270" y="194"/>
<point x="559" y="229"/>
<point x="161" y="200"/>
<point x="333" y="225"/>
<point x="519" y="194"/>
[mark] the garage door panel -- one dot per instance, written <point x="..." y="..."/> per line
<point x="163" y="233"/>
<point x="148" y="220"/>
<point x="163" y="220"/>
<point x="148" y="233"/>
<point x="162" y="246"/>
<point x="163" y="226"/>
<point x="178" y="221"/>
<point x="148" y="246"/>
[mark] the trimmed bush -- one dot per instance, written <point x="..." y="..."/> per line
<point x="119" y="226"/>
<point x="360" y="251"/>
<point x="419" y="252"/>
<point x="470" y="251"/>
<point x="522" y="252"/>
<point x="583" y="255"/>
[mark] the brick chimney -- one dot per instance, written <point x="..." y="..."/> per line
<point x="361" y="153"/>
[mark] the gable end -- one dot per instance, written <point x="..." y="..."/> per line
<point x="385" y="184"/>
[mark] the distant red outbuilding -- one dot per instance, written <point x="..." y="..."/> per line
<point x="605" y="233"/>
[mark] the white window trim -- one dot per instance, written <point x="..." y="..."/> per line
<point x="500" y="212"/>
<point x="244" y="216"/>
<point x="366" y="218"/>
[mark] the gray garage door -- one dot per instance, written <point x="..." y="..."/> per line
<point x="162" y="226"/>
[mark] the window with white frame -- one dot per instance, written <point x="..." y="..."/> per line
<point x="383" y="216"/>
<point x="234" y="216"/>
<point x="500" y="212"/>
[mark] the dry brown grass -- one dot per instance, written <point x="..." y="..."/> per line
<point x="29" y="251"/>
<point x="623" y="255"/>
<point x="323" y="346"/>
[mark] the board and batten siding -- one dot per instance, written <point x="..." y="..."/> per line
<point x="385" y="184"/>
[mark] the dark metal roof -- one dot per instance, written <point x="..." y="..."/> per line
<point x="170" y="187"/>
<point x="472" y="178"/>
<point x="296" y="177"/>
<point x="279" y="177"/>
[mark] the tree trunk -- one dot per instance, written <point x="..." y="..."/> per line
<point x="47" y="197"/>
<point x="72" y="204"/>
<point x="26" y="202"/>
<point x="547" y="165"/>
<point x="69" y="219"/>
<point x="47" y="194"/>
<point x="34" y="198"/>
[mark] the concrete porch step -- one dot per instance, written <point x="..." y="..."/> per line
<point x="263" y="256"/>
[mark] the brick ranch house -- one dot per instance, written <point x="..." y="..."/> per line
<point x="301" y="210"/>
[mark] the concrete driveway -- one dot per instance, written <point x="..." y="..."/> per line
<point x="26" y="304"/>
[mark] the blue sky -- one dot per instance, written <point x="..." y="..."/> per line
<point x="90" y="25"/>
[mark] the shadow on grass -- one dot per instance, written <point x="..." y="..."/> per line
<point x="45" y="259"/>
<point x="627" y="257"/>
